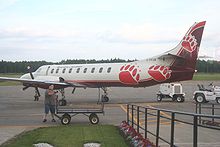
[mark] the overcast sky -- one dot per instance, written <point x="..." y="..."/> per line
<point x="54" y="30"/>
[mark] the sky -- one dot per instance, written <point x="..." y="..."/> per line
<point x="55" y="30"/>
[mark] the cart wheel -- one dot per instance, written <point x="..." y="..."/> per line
<point x="218" y="100"/>
<point x="62" y="102"/>
<point x="200" y="98"/>
<point x="93" y="118"/>
<point x="159" y="98"/>
<point x="174" y="98"/>
<point x="180" y="99"/>
<point x="66" y="118"/>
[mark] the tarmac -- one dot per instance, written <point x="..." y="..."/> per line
<point x="19" y="111"/>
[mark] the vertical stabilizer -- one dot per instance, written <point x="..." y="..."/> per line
<point x="186" y="53"/>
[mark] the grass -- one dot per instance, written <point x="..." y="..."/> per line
<point x="11" y="75"/>
<point x="206" y="77"/>
<point x="70" y="136"/>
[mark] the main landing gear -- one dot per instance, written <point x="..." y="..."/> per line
<point x="62" y="102"/>
<point x="36" y="97"/>
<point x="104" y="97"/>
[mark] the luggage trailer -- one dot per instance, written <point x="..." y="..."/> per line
<point x="65" y="114"/>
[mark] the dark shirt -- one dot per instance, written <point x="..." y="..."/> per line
<point x="50" y="98"/>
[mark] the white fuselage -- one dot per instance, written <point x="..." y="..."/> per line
<point x="104" y="73"/>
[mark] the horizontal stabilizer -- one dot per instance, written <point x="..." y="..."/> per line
<point x="170" y="55"/>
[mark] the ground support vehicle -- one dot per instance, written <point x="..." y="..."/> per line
<point x="65" y="113"/>
<point x="204" y="95"/>
<point x="171" y="90"/>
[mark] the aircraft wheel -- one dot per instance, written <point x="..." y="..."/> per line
<point x="66" y="118"/>
<point x="200" y="98"/>
<point x="180" y="99"/>
<point x="218" y="100"/>
<point x="62" y="102"/>
<point x="93" y="118"/>
<point x="159" y="98"/>
<point x="105" y="99"/>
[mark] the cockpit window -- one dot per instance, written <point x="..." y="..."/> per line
<point x="39" y="70"/>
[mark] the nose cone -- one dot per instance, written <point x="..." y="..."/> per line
<point x="25" y="76"/>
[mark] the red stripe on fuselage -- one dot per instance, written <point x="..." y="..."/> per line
<point x="110" y="83"/>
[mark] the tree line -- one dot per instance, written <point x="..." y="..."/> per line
<point x="209" y="66"/>
<point x="21" y="66"/>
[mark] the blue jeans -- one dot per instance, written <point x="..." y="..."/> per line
<point x="50" y="108"/>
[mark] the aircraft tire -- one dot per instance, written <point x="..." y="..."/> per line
<point x="105" y="99"/>
<point x="93" y="118"/>
<point x="62" y="102"/>
<point x="66" y="118"/>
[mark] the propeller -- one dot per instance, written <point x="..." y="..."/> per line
<point x="32" y="77"/>
<point x="73" y="90"/>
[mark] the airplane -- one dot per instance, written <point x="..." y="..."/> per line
<point x="177" y="64"/>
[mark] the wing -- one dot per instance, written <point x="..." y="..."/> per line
<point x="42" y="83"/>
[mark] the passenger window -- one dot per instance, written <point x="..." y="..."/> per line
<point x="57" y="70"/>
<point x="70" y="70"/>
<point x="78" y="69"/>
<point x="52" y="70"/>
<point x="85" y="69"/>
<point x="100" y="70"/>
<point x="109" y="70"/>
<point x="93" y="70"/>
<point x="64" y="70"/>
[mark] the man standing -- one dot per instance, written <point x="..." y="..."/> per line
<point x="50" y="103"/>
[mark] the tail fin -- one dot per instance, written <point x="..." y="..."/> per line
<point x="186" y="53"/>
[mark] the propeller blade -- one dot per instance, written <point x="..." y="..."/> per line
<point x="73" y="90"/>
<point x="26" y="87"/>
<point x="29" y="70"/>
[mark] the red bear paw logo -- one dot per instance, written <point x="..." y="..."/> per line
<point x="189" y="43"/>
<point x="159" y="73"/>
<point x="129" y="74"/>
